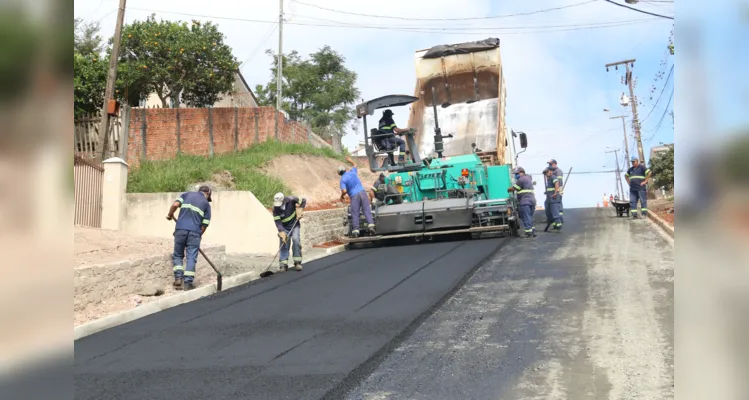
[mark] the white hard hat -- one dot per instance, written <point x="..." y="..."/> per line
<point x="278" y="199"/>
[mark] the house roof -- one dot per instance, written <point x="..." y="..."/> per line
<point x="249" y="89"/>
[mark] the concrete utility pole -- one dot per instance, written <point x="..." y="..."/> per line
<point x="101" y="147"/>
<point x="618" y="173"/>
<point x="279" y="72"/>
<point x="633" y="100"/>
<point x="626" y="142"/>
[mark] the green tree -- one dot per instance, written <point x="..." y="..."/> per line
<point x="86" y="38"/>
<point x="662" y="167"/>
<point x="187" y="63"/>
<point x="319" y="91"/>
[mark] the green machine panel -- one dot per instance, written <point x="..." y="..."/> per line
<point x="499" y="181"/>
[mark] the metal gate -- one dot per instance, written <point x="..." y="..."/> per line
<point x="88" y="187"/>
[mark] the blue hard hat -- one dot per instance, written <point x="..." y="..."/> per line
<point x="634" y="159"/>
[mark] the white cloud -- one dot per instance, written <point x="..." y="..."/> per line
<point x="556" y="82"/>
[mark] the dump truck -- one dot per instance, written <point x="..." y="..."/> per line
<point x="469" y="85"/>
<point x="453" y="184"/>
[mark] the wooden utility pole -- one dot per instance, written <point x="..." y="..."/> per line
<point x="279" y="72"/>
<point x="101" y="147"/>
<point x="618" y="173"/>
<point x="635" y="120"/>
<point x="626" y="142"/>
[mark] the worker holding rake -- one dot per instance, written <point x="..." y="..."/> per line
<point x="286" y="215"/>
<point x="193" y="220"/>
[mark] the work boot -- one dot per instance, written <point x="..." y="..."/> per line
<point x="534" y="232"/>
<point x="297" y="266"/>
<point x="355" y="234"/>
<point x="528" y="235"/>
<point x="283" y="267"/>
<point x="189" y="286"/>
<point x="177" y="283"/>
<point x="371" y="230"/>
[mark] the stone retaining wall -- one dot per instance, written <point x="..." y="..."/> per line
<point x="322" y="226"/>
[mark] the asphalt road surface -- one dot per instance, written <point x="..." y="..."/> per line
<point x="586" y="314"/>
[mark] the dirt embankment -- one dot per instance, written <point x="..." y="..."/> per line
<point x="314" y="178"/>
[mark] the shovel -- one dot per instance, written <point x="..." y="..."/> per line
<point x="267" y="271"/>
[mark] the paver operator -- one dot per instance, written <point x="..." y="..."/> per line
<point x="352" y="186"/>
<point x="553" y="200"/>
<point x="194" y="218"/>
<point x="387" y="126"/>
<point x="637" y="177"/>
<point x="526" y="200"/>
<point x="558" y="174"/>
<point x="288" y="217"/>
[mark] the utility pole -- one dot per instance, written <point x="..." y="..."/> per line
<point x="618" y="173"/>
<point x="101" y="147"/>
<point x="635" y="120"/>
<point x="626" y="142"/>
<point x="279" y="72"/>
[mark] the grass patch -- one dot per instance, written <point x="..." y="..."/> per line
<point x="177" y="174"/>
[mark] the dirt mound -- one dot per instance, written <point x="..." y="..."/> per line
<point x="223" y="180"/>
<point x="314" y="178"/>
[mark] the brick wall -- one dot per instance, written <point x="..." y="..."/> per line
<point x="322" y="226"/>
<point x="160" y="133"/>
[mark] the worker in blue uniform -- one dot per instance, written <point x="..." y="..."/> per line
<point x="388" y="127"/>
<point x="351" y="185"/>
<point x="526" y="196"/>
<point x="558" y="174"/>
<point x="637" y="177"/>
<point x="287" y="213"/>
<point x="194" y="218"/>
<point x="553" y="200"/>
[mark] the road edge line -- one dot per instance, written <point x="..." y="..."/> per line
<point x="123" y="317"/>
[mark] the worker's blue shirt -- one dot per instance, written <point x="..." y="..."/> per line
<point x="351" y="183"/>
<point x="195" y="211"/>
<point x="636" y="175"/>
<point x="387" y="125"/>
<point x="285" y="215"/>
<point x="558" y="175"/>
<point x="550" y="180"/>
<point x="524" y="189"/>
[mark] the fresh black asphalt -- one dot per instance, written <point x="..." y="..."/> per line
<point x="298" y="335"/>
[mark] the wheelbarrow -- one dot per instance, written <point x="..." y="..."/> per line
<point x="622" y="207"/>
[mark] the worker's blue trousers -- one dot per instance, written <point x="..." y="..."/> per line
<point x="642" y="195"/>
<point x="189" y="241"/>
<point x="293" y="239"/>
<point x="552" y="207"/>
<point x="396" y="141"/>
<point x="526" y="215"/>
<point x="360" y="204"/>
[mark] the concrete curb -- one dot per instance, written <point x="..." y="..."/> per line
<point x="669" y="230"/>
<point x="111" y="321"/>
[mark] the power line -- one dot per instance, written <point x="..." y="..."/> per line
<point x="474" y="28"/>
<point x="260" y="44"/>
<point x="638" y="10"/>
<point x="444" y="19"/>
<point x="463" y="31"/>
<point x="665" y="83"/>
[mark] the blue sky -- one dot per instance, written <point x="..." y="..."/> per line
<point x="557" y="84"/>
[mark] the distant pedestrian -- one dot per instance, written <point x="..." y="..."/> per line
<point x="194" y="218"/>
<point x="637" y="177"/>
<point x="352" y="186"/>
<point x="526" y="200"/>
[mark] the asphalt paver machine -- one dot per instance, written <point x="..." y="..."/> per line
<point x="441" y="195"/>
